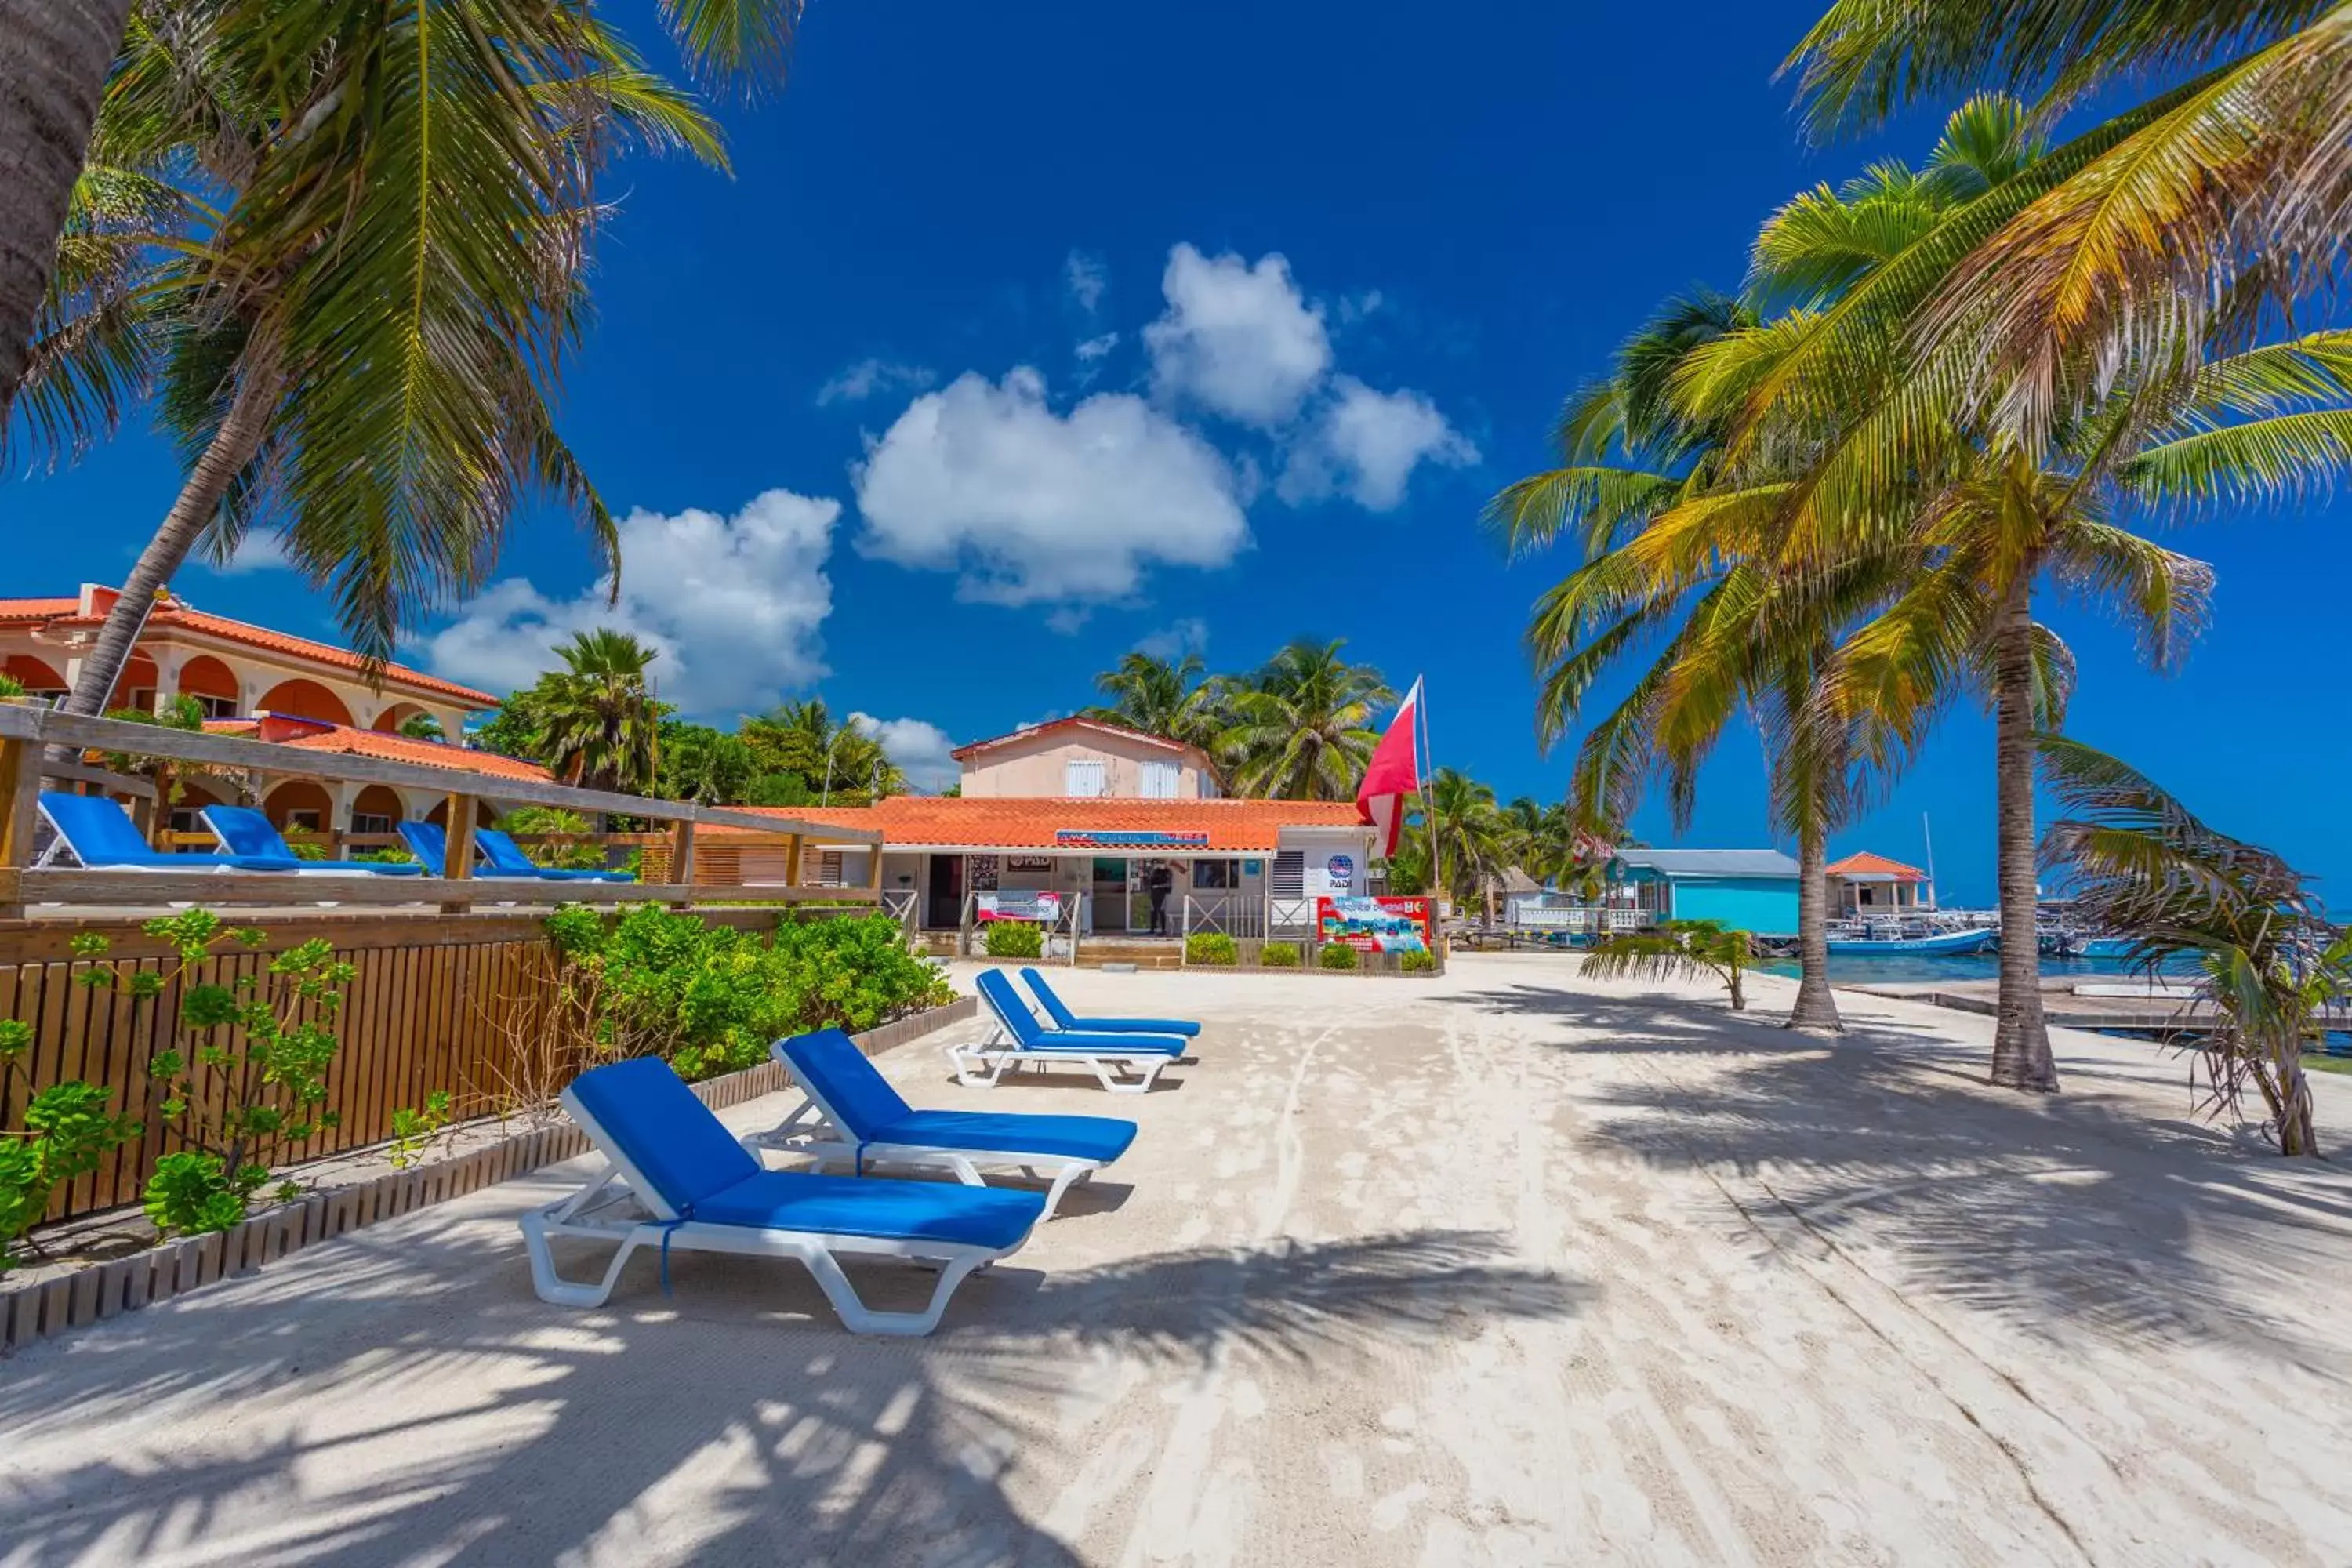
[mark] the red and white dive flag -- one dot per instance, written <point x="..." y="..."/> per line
<point x="1393" y="774"/>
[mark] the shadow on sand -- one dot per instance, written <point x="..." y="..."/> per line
<point x="2067" y="1213"/>
<point x="447" y="1415"/>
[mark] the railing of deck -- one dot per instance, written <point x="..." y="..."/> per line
<point x="40" y="748"/>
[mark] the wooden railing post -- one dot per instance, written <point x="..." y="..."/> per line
<point x="20" y="814"/>
<point x="457" y="865"/>
<point x="792" y="852"/>
<point x="681" y="860"/>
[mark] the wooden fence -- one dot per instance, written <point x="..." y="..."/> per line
<point x="423" y="1013"/>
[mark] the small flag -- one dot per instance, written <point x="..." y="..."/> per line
<point x="1393" y="772"/>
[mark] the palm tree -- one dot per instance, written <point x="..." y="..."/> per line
<point x="837" y="759"/>
<point x="254" y="312"/>
<point x="1473" y="843"/>
<point x="2272" y="964"/>
<point x="1633" y="458"/>
<point x="700" y="763"/>
<point x="58" y="53"/>
<point x="1171" y="697"/>
<point x="2164" y="226"/>
<point x="1301" y="728"/>
<point x="1817" y="405"/>
<point x="599" y="717"/>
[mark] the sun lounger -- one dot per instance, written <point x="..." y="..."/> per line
<point x="505" y="858"/>
<point x="676" y="1179"/>
<point x="97" y="833"/>
<point x="429" y="842"/>
<point x="1063" y="1019"/>
<point x="1126" y="1064"/>
<point x="853" y="1120"/>
<point x="245" y="831"/>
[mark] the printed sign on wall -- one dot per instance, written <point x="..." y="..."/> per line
<point x="1375" y="925"/>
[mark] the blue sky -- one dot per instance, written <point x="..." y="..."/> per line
<point x="1025" y="335"/>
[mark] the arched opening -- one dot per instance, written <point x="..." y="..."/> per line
<point x="35" y="676"/>
<point x="305" y="700"/>
<point x="376" y="809"/>
<point x="212" y="683"/>
<point x="299" y="806"/>
<point x="136" y="688"/>
<point x="392" y="717"/>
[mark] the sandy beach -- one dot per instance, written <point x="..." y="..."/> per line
<point x="1505" y="1268"/>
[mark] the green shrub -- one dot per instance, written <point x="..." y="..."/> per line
<point x="712" y="998"/>
<point x="1211" y="947"/>
<point x="11" y="686"/>
<point x="1279" y="955"/>
<point x="1014" y="939"/>
<point x="68" y="1131"/>
<point x="1420" y="961"/>
<point x="1336" y="955"/>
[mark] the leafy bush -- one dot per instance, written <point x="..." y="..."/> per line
<point x="67" y="1130"/>
<point x="1279" y="955"/>
<point x="1417" y="963"/>
<point x="191" y="1193"/>
<point x="1211" y="947"/>
<point x="415" y="1132"/>
<point x="1014" y="939"/>
<point x="11" y="686"/>
<point x="712" y="998"/>
<point x="1336" y="955"/>
<point x="306" y="850"/>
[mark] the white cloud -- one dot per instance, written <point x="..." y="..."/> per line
<point x="1237" y="338"/>
<point x="1176" y="639"/>
<point x="870" y="377"/>
<point x="256" y="552"/>
<point x="1095" y="348"/>
<point x="1032" y="505"/>
<point x="1086" y="278"/>
<point x="1366" y="444"/>
<point x="734" y="603"/>
<point x="918" y="747"/>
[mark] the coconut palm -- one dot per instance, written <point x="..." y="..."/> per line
<point x="372" y="377"/>
<point x="2273" y="965"/>
<point x="599" y="720"/>
<point x="1301" y="728"/>
<point x="55" y="56"/>
<point x="2164" y="230"/>
<point x="1817" y="404"/>
<point x="841" y="761"/>
<point x="1172" y="698"/>
<point x="1472" y="842"/>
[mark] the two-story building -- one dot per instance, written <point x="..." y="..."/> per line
<point x="1075" y="813"/>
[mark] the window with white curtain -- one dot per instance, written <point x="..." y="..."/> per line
<point x="1159" y="781"/>
<point x="1083" y="778"/>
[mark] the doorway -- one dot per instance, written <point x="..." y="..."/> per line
<point x="1109" y="891"/>
<point x="943" y="909"/>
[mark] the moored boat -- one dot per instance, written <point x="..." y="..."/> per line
<point x="1945" y="942"/>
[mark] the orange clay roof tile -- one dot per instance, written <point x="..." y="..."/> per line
<point x="1240" y="826"/>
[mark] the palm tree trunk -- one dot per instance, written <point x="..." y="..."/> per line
<point x="2296" y="1133"/>
<point x="1816" y="1011"/>
<point x="2020" y="1040"/>
<point x="231" y="447"/>
<point x="53" y="59"/>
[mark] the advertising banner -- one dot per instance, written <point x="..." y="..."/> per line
<point x="1043" y="908"/>
<point x="1375" y="925"/>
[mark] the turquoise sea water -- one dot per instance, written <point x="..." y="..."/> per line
<point x="1901" y="968"/>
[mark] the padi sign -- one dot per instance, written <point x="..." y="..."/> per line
<point x="1088" y="839"/>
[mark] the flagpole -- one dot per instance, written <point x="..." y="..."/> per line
<point x="1424" y="766"/>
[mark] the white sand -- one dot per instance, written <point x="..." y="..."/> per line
<point x="1506" y="1269"/>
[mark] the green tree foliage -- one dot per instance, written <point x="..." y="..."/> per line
<point x="66" y="1131"/>
<point x="598" y="722"/>
<point x="2273" y="966"/>
<point x="1301" y="727"/>
<point x="1677" y="950"/>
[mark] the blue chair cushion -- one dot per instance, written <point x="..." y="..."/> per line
<point x="1086" y="1042"/>
<point x="100" y="835"/>
<point x="504" y="855"/>
<point x="427" y="842"/>
<point x="245" y="831"/>
<point x="1064" y="1019"/>
<point x="656" y="1123"/>
<point x="994" y="1217"/>
<point x="836" y="1074"/>
<point x="1099" y="1137"/>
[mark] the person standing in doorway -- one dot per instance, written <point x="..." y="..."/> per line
<point x="1157" y="882"/>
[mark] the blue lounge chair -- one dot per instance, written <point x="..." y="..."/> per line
<point x="1125" y="1064"/>
<point x="429" y="842"/>
<point x="97" y="833"/>
<point x="1063" y="1019"/>
<point x="505" y="858"/>
<point x="676" y="1179"/>
<point x="853" y="1120"/>
<point x="245" y="831"/>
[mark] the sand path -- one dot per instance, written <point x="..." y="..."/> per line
<point x="1509" y="1268"/>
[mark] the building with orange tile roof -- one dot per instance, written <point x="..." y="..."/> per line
<point x="1867" y="884"/>
<point x="1003" y="844"/>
